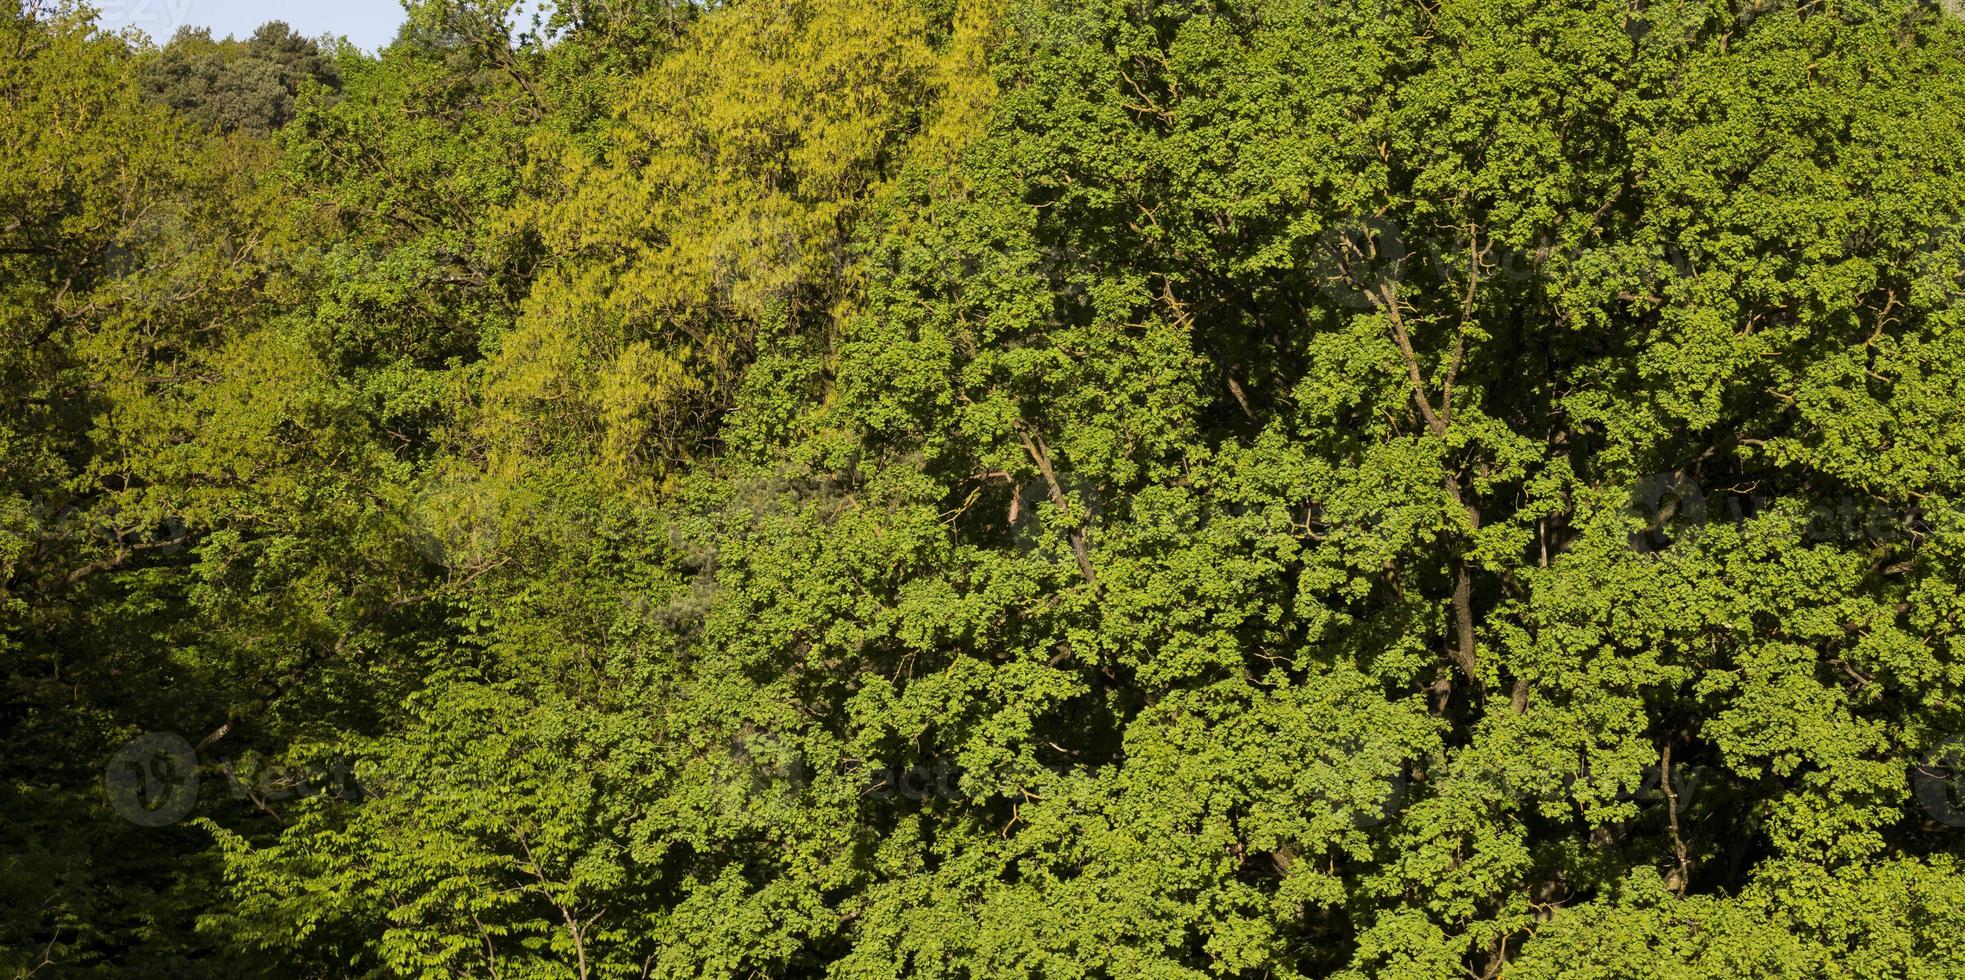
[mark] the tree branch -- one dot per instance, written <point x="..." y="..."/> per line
<point x="1387" y="299"/>
<point x="1671" y="811"/>
<point x="1033" y="443"/>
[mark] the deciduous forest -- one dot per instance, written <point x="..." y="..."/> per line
<point x="971" y="489"/>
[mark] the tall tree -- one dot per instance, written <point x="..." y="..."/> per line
<point x="231" y="85"/>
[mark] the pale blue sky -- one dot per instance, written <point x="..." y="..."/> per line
<point x="369" y="23"/>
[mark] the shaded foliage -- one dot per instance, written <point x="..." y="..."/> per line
<point x="248" y="85"/>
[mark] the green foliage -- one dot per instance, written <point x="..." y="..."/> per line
<point x="721" y="198"/>
<point x="230" y="85"/>
<point x="939" y="488"/>
<point x="125" y="251"/>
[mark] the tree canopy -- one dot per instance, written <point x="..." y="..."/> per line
<point x="957" y="489"/>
